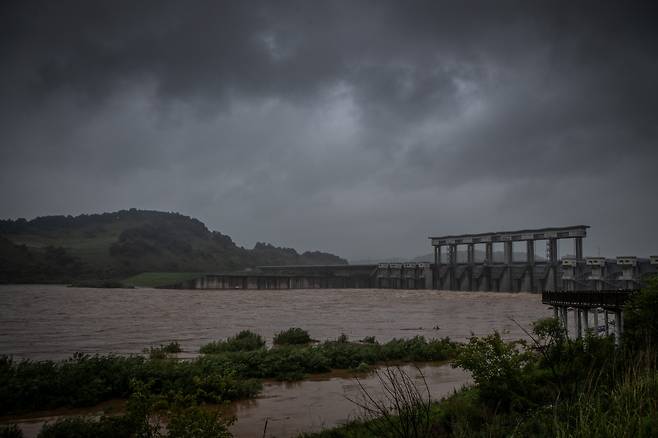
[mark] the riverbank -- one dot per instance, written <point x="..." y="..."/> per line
<point x="552" y="386"/>
<point x="289" y="408"/>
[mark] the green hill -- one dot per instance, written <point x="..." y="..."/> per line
<point x="125" y="243"/>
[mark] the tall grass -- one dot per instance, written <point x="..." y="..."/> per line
<point x="626" y="409"/>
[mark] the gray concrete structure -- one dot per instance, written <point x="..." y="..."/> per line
<point x="529" y="274"/>
<point x="582" y="303"/>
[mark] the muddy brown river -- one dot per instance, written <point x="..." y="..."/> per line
<point x="53" y="322"/>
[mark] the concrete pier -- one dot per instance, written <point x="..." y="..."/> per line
<point x="583" y="303"/>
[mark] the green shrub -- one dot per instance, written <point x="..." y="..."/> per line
<point x="85" y="380"/>
<point x="640" y="321"/>
<point x="244" y="341"/>
<point x="163" y="351"/>
<point x="172" y="347"/>
<point x="81" y="427"/>
<point x="192" y="422"/>
<point x="292" y="336"/>
<point x="10" y="431"/>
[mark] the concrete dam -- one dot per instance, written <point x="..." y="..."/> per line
<point x="503" y="261"/>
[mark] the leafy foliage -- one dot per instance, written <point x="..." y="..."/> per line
<point x="244" y="341"/>
<point x="230" y="373"/>
<point x="87" y="380"/>
<point x="292" y="336"/>
<point x="143" y="419"/>
<point x="640" y="320"/>
<point x="10" y="431"/>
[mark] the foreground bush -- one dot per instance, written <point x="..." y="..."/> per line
<point x="87" y="380"/>
<point x="145" y="412"/>
<point x="10" y="431"/>
<point x="244" y="341"/>
<point x="292" y="336"/>
<point x="292" y="362"/>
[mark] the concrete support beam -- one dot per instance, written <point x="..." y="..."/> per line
<point x="509" y="259"/>
<point x="452" y="260"/>
<point x="470" y="255"/>
<point x="618" y="328"/>
<point x="578" y="242"/>
<point x="576" y="322"/>
<point x="530" y="257"/>
<point x="585" y="314"/>
<point x="553" y="259"/>
<point x="437" y="265"/>
<point x="607" y="323"/>
<point x="565" y="321"/>
<point x="596" y="322"/>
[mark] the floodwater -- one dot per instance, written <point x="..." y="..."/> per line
<point x="53" y="322"/>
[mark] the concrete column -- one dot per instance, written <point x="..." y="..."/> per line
<point x="596" y="322"/>
<point x="435" y="274"/>
<point x="508" y="261"/>
<point x="565" y="320"/>
<point x="552" y="245"/>
<point x="578" y="243"/>
<point x="621" y="323"/>
<point x="453" y="265"/>
<point x="617" y="327"/>
<point x="470" y="253"/>
<point x="556" y="313"/>
<point x="607" y="323"/>
<point x="576" y="321"/>
<point x="585" y="314"/>
<point x="530" y="257"/>
<point x="488" y="257"/>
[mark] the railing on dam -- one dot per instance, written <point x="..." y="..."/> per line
<point x="608" y="299"/>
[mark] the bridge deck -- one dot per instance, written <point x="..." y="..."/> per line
<point x="608" y="299"/>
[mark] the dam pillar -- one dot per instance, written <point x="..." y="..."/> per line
<point x="578" y="243"/>
<point x="470" y="255"/>
<point x="553" y="262"/>
<point x="565" y="320"/>
<point x="452" y="260"/>
<point x="488" y="260"/>
<point x="437" y="266"/>
<point x="530" y="260"/>
<point x="578" y="322"/>
<point x="585" y="320"/>
<point x="618" y="327"/>
<point x="509" y="259"/>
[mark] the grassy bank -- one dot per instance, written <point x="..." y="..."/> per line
<point x="159" y="279"/>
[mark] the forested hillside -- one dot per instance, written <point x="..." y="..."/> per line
<point x="127" y="242"/>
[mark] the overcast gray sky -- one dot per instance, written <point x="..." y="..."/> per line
<point x="356" y="127"/>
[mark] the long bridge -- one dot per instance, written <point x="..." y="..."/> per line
<point x="501" y="261"/>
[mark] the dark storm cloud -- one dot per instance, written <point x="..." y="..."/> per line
<point x="357" y="127"/>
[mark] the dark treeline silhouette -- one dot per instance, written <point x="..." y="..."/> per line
<point x="127" y="242"/>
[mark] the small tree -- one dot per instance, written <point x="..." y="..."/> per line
<point x="641" y="318"/>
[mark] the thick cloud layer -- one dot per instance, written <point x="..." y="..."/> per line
<point x="357" y="127"/>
